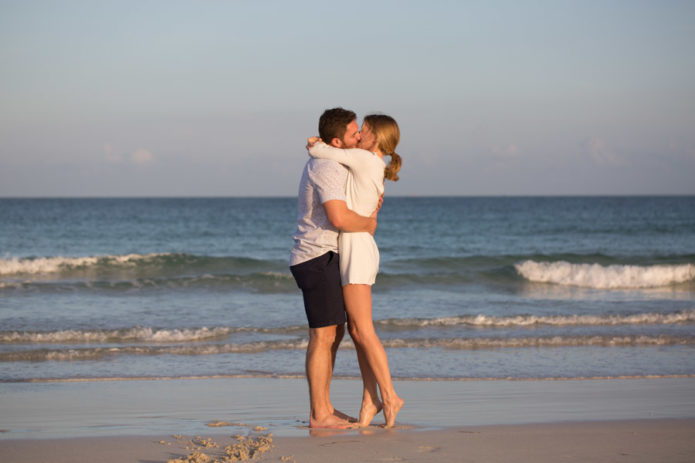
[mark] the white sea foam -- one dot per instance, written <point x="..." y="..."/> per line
<point x="547" y="341"/>
<point x="158" y="335"/>
<point x="98" y="379"/>
<point x="44" y="265"/>
<point x="137" y="334"/>
<point x="605" y="277"/>
<point x="96" y="353"/>
<point x="488" y="321"/>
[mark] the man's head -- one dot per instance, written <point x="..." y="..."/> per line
<point x="338" y="127"/>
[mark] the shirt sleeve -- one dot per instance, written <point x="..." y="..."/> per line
<point x="329" y="178"/>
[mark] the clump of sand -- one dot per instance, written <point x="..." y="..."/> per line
<point x="219" y="424"/>
<point x="246" y="448"/>
<point x="200" y="442"/>
<point x="194" y="457"/>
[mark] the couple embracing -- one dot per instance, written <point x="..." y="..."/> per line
<point x="335" y="258"/>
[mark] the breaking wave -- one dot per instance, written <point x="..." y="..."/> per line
<point x="45" y="265"/>
<point x="180" y="270"/>
<point x="142" y="271"/>
<point x="606" y="277"/>
<point x="136" y="334"/>
<point x="139" y="334"/>
<point x="486" y="321"/>
<point x="145" y="264"/>
<point x="96" y="353"/>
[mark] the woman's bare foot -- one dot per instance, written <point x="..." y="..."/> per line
<point x="330" y="422"/>
<point x="391" y="409"/>
<point x="368" y="411"/>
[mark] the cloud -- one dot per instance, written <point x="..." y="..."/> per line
<point x="141" y="156"/>
<point x="600" y="152"/>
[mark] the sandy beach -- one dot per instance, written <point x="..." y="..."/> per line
<point x="495" y="421"/>
<point x="631" y="441"/>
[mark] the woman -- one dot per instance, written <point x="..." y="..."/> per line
<point x="359" y="255"/>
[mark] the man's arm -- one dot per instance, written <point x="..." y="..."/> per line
<point x="346" y="220"/>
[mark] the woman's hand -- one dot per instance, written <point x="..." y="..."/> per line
<point x="311" y="141"/>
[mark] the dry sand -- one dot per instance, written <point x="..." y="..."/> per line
<point x="610" y="441"/>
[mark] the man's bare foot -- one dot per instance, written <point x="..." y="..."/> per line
<point x="330" y="422"/>
<point x="344" y="416"/>
<point x="368" y="411"/>
<point x="391" y="409"/>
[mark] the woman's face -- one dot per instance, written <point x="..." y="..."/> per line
<point x="367" y="138"/>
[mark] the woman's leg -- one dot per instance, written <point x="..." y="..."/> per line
<point x="371" y="405"/>
<point x="358" y="304"/>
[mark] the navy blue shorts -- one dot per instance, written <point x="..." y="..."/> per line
<point x="319" y="280"/>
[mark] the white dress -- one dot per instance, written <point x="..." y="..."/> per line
<point x="359" y="254"/>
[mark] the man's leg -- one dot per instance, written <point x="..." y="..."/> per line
<point x="320" y="358"/>
<point x="340" y="332"/>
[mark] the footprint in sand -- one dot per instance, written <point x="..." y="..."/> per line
<point x="427" y="448"/>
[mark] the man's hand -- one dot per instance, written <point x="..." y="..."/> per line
<point x="376" y="212"/>
<point x="372" y="223"/>
<point x="346" y="220"/>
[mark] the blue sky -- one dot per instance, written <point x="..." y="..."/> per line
<point x="172" y="98"/>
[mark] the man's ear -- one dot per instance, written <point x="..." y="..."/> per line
<point x="337" y="142"/>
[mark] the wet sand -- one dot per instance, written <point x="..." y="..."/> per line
<point x="155" y="421"/>
<point x="626" y="441"/>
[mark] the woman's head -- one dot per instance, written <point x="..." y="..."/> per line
<point x="386" y="135"/>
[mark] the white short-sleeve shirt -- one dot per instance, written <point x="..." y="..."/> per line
<point x="322" y="180"/>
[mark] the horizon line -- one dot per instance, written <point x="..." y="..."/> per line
<point x="412" y="196"/>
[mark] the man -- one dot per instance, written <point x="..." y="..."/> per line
<point x="314" y="260"/>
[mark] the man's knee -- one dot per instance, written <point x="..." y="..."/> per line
<point x="339" y="332"/>
<point x="327" y="335"/>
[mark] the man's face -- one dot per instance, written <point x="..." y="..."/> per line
<point x="367" y="138"/>
<point x="352" y="136"/>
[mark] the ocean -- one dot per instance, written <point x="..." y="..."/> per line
<point x="469" y="288"/>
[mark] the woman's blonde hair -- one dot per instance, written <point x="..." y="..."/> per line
<point x="387" y="135"/>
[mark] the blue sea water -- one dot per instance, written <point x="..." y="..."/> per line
<point x="469" y="287"/>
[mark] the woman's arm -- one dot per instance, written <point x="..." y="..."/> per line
<point x="352" y="158"/>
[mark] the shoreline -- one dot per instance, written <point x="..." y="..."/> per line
<point x="339" y="377"/>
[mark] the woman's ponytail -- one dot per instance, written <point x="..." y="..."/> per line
<point x="387" y="135"/>
<point x="391" y="170"/>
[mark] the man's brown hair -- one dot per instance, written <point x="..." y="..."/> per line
<point x="333" y="123"/>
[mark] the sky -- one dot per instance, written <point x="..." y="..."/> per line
<point x="217" y="98"/>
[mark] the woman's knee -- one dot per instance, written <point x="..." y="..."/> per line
<point x="361" y="334"/>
